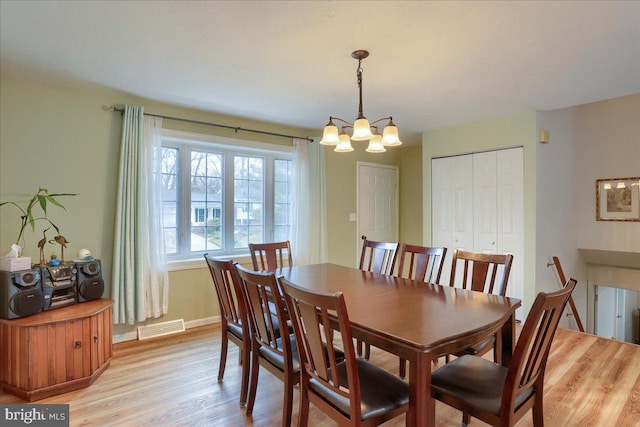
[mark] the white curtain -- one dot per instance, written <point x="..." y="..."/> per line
<point x="140" y="283"/>
<point x="308" y="208"/>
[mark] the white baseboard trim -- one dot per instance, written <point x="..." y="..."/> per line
<point x="133" y="335"/>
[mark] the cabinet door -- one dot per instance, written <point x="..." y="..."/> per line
<point x="57" y="353"/>
<point x="101" y="341"/>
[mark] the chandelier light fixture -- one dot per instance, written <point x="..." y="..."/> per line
<point x="362" y="129"/>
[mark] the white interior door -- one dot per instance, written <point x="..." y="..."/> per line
<point x="485" y="234"/>
<point x="606" y="311"/>
<point x="452" y="206"/>
<point x="377" y="206"/>
<point x="510" y="217"/>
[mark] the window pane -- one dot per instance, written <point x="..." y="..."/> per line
<point x="206" y="201"/>
<point x="282" y="199"/>
<point x="249" y="200"/>
<point x="169" y="183"/>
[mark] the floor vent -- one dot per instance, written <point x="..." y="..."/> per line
<point x="159" y="329"/>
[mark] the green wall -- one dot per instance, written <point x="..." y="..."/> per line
<point x="504" y="132"/>
<point x="62" y="138"/>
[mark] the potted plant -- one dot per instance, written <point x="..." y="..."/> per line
<point x="28" y="216"/>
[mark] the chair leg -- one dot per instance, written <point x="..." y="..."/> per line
<point x="537" y="411"/>
<point x="223" y="355"/>
<point x="288" y="401"/>
<point x="367" y="351"/>
<point x="245" y="363"/>
<point x="403" y="368"/>
<point x="466" y="419"/>
<point x="253" y="382"/>
<point x="303" y="413"/>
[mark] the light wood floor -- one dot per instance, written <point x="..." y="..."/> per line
<point x="590" y="381"/>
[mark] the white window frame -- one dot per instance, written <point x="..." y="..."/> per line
<point x="185" y="259"/>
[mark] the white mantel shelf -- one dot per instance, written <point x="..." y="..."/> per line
<point x="611" y="258"/>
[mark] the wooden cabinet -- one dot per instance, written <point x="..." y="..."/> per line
<point x="56" y="351"/>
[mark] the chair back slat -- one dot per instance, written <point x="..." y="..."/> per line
<point x="316" y="317"/>
<point x="262" y="294"/>
<point x="488" y="273"/>
<point x="270" y="256"/>
<point x="532" y="350"/>
<point x="425" y="263"/>
<point x="378" y="257"/>
<point x="228" y="291"/>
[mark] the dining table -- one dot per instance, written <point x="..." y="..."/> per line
<point x="415" y="320"/>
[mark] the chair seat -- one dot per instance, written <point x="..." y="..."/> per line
<point x="235" y="330"/>
<point x="381" y="391"/>
<point x="277" y="359"/>
<point x="479" y="347"/>
<point x="475" y="380"/>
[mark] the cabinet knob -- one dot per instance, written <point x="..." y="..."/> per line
<point x="95" y="338"/>
<point x="78" y="344"/>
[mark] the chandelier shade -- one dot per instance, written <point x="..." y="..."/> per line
<point x="362" y="128"/>
<point x="344" y="144"/>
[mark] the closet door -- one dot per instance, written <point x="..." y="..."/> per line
<point x="452" y="206"/>
<point x="485" y="234"/>
<point x="510" y="216"/>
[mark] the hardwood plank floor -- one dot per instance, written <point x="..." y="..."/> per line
<point x="590" y="381"/>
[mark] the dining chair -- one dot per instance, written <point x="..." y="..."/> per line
<point x="270" y="256"/>
<point x="488" y="273"/>
<point x="421" y="263"/>
<point x="233" y="314"/>
<point x="376" y="257"/>
<point x="272" y="345"/>
<point x="352" y="391"/>
<point x="500" y="395"/>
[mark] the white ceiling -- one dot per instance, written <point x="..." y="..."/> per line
<point x="432" y="64"/>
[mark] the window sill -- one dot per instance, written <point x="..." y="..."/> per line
<point x="198" y="263"/>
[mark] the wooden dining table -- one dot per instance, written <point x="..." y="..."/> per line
<point x="414" y="320"/>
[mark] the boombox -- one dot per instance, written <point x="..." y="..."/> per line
<point x="23" y="293"/>
<point x="20" y="293"/>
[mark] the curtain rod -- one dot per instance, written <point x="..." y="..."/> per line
<point x="235" y="128"/>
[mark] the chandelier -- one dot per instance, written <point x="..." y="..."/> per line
<point x="362" y="129"/>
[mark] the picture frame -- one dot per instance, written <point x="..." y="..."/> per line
<point x="618" y="199"/>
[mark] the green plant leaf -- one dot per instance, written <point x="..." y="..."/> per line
<point x="55" y="202"/>
<point x="43" y="203"/>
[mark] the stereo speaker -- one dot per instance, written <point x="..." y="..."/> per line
<point x="90" y="282"/>
<point x="20" y="293"/>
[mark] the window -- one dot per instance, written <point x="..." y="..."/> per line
<point x="218" y="197"/>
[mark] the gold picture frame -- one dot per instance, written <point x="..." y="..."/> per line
<point x="618" y="199"/>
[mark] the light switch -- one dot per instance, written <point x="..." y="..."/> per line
<point x="352" y="217"/>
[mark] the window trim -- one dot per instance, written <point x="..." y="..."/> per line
<point x="230" y="146"/>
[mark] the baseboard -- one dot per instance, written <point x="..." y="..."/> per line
<point x="133" y="335"/>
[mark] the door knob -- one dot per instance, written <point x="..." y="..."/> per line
<point x="363" y="237"/>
